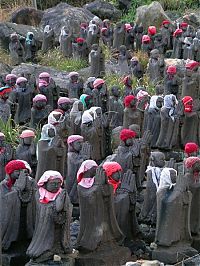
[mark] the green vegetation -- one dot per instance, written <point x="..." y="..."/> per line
<point x="4" y="57"/>
<point x="56" y="60"/>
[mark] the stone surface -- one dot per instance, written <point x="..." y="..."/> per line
<point x="65" y="15"/>
<point x="173" y="254"/>
<point x="6" y="28"/>
<point x="149" y="15"/>
<point x="103" y="9"/>
<point x="69" y="262"/>
<point x="192" y="18"/>
<point x="27" y="16"/>
<point x="5" y="68"/>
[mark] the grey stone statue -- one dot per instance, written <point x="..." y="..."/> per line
<point x="30" y="47"/>
<point x="5" y="109"/>
<point x="156" y="66"/>
<point x="65" y="40"/>
<point x="116" y="107"/>
<point x="97" y="61"/>
<point x="118" y="35"/>
<point x="16" y="50"/>
<point x="48" y="39"/>
<point x="75" y="87"/>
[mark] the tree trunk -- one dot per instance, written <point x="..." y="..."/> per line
<point x="34" y="3"/>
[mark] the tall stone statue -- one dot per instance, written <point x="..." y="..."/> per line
<point x="6" y="155"/>
<point x="139" y="33"/>
<point x="146" y="46"/>
<point x="136" y="68"/>
<point x="123" y="60"/>
<point x="52" y="229"/>
<point x="116" y="107"/>
<point x="88" y="86"/>
<point x="65" y="40"/>
<point x="16" y="50"/>
<point x="48" y="39"/>
<point x="171" y="81"/>
<point x="178" y="44"/>
<point x="156" y="66"/>
<point x="100" y="95"/>
<point x="75" y="117"/>
<point x="127" y="90"/>
<point x="75" y="87"/>
<point x="30" y="47"/>
<point x="118" y="35"/>
<point x="166" y="34"/>
<point x="97" y="61"/>
<point x="5" y="110"/>
<point x="131" y="114"/>
<point x="80" y="49"/>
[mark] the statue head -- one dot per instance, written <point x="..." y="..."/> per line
<point x="40" y="101"/>
<point x="14" y="167"/>
<point x="113" y="172"/>
<point x="75" y="143"/>
<point x="73" y="76"/>
<point x="122" y="49"/>
<point x="130" y="101"/>
<point x="95" y="47"/>
<point x="127" y="136"/>
<point x="157" y="159"/>
<point x="166" y="24"/>
<point x="90" y="82"/>
<point x="115" y="137"/>
<point x="86" y="173"/>
<point x="134" y="61"/>
<point x="21" y="82"/>
<point x="192" y="164"/>
<point x="159" y="89"/>
<point x="155" y="54"/>
<point x="159" y="102"/>
<point x="27" y="136"/>
<point x="14" y="37"/>
<point x="115" y="90"/>
<point x="45" y="76"/>
<point x="11" y="79"/>
<point x="64" y="103"/>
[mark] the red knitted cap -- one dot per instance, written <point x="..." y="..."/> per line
<point x="128" y="99"/>
<point x="191" y="147"/>
<point x="127" y="134"/>
<point x="14" y="165"/>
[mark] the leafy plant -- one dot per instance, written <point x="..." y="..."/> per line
<point x="55" y="59"/>
<point x="11" y="131"/>
<point x="4" y="56"/>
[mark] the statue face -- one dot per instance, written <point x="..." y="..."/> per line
<point x="40" y="104"/>
<point x="117" y="176"/>
<point x="155" y="54"/>
<point x="80" y="106"/>
<point x="173" y="176"/>
<point x="53" y="185"/>
<point x="28" y="141"/>
<point x="129" y="142"/>
<point x="65" y="106"/>
<point x="74" y="78"/>
<point x="77" y="145"/>
<point x="51" y="132"/>
<point x="57" y="116"/>
<point x="46" y="79"/>
<point x="90" y="173"/>
<point x="15" y="174"/>
<point x="11" y="82"/>
<point x="159" y="102"/>
<point x="22" y="84"/>
<point x="95" y="47"/>
<point x="159" y="159"/>
<point x="98" y="112"/>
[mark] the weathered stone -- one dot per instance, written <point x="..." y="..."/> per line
<point x="27" y="16"/>
<point x="152" y="14"/>
<point x="69" y="262"/>
<point x="7" y="28"/>
<point x="65" y="15"/>
<point x="103" y="9"/>
<point x="5" y="69"/>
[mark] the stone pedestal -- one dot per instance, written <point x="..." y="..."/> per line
<point x="113" y="256"/>
<point x="68" y="262"/>
<point x="174" y="254"/>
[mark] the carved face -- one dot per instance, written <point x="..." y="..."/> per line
<point x="77" y="145"/>
<point x="117" y="176"/>
<point x="28" y="141"/>
<point x="65" y="106"/>
<point x="74" y="78"/>
<point x="11" y="82"/>
<point x="53" y="185"/>
<point x="22" y="84"/>
<point x="40" y="104"/>
<point x="90" y="173"/>
<point x="51" y="132"/>
<point x="129" y="142"/>
<point x="80" y="106"/>
<point x="155" y="54"/>
<point x="173" y="175"/>
<point x="15" y="174"/>
<point x="158" y="159"/>
<point x="159" y="102"/>
<point x="46" y="79"/>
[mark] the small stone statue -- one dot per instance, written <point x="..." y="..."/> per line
<point x="169" y="123"/>
<point x="51" y="151"/>
<point x="178" y="44"/>
<point x="107" y="36"/>
<point x="88" y="86"/>
<point x="5" y="110"/>
<point x="22" y="96"/>
<point x="48" y="39"/>
<point x="166" y="34"/>
<point x="26" y="150"/>
<point x="148" y="212"/>
<point x="75" y="117"/>
<point x="129" y="37"/>
<point x="159" y="44"/>
<point x="153" y="118"/>
<point x="30" y="47"/>
<point x="17" y="193"/>
<point x="16" y="50"/>
<point x="136" y="68"/>
<point x="39" y="111"/>
<point x="93" y="34"/>
<point x="156" y="66"/>
<point x="77" y="153"/>
<point x="188" y="49"/>
<point x="6" y="155"/>
<point x="64" y="104"/>
<point x="131" y="114"/>
<point x="52" y="229"/>
<point x="146" y="46"/>
<point x="190" y="122"/>
<point x="47" y="87"/>
<point x="128" y="90"/>
<point x="124" y="187"/>
<point x="75" y="87"/>
<point x="65" y="40"/>
<point x="100" y="95"/>
<point x="118" y="35"/>
<point x="93" y="189"/>
<point x="11" y="81"/>
<point x="97" y="61"/>
<point x="123" y="60"/>
<point x="139" y="33"/>
<point x="83" y="30"/>
<point x="115" y="138"/>
<point x="171" y="81"/>
<point x="116" y="107"/>
<point x="80" y="49"/>
<point x="152" y="33"/>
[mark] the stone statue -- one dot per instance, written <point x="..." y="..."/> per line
<point x="17" y="192"/>
<point x="116" y="107"/>
<point x="48" y="39"/>
<point x="159" y="43"/>
<point x="83" y="30"/>
<point x="148" y="212"/>
<point x="6" y="155"/>
<point x="196" y="49"/>
<point x="39" y="111"/>
<point x="65" y="40"/>
<point x="93" y="189"/>
<point x="169" y="123"/>
<point x="171" y="81"/>
<point x="190" y="122"/>
<point x="178" y="44"/>
<point x="118" y="35"/>
<point x="152" y="31"/>
<point x="127" y="90"/>
<point x="52" y="229"/>
<point x="138" y="39"/>
<point x="80" y="49"/>
<point x="26" y="150"/>
<point x="77" y="153"/>
<point x="30" y="47"/>
<point x="166" y="34"/>
<point x="156" y="66"/>
<point x="93" y="34"/>
<point x="107" y="36"/>
<point x="146" y="46"/>
<point x="125" y="191"/>
<point x="47" y="87"/>
<point x="88" y="86"/>
<point x="31" y="80"/>
<point x="136" y="68"/>
<point x="51" y="151"/>
<point x="188" y="48"/>
<point x="123" y="60"/>
<point x="16" y="50"/>
<point x="131" y="114"/>
<point x="22" y="97"/>
<point x="64" y="104"/>
<point x="115" y="138"/>
<point x="153" y="119"/>
<point x="100" y="95"/>
<point x="97" y="61"/>
<point x="5" y="110"/>
<point x="75" y="87"/>
<point x="75" y="117"/>
<point x="129" y="40"/>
